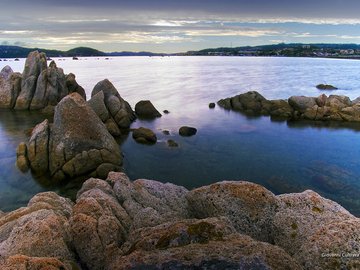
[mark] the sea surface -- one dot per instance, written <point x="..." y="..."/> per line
<point x="282" y="156"/>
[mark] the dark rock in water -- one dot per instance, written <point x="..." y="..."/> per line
<point x="145" y="109"/>
<point x="16" y="59"/>
<point x="187" y="131"/>
<point x="76" y="145"/>
<point x="211" y="105"/>
<point x="144" y="135"/>
<point x="322" y="108"/>
<point x="166" y="111"/>
<point x="166" y="132"/>
<point x="172" y="143"/>
<point x="22" y="161"/>
<point x="326" y="87"/>
<point x="112" y="109"/>
<point x="75" y="58"/>
<point x="73" y="86"/>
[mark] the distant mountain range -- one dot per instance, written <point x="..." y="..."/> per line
<point x="21" y="52"/>
<point x="282" y="49"/>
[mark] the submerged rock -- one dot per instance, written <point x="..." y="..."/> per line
<point x="112" y="109"/>
<point x="187" y="131"/>
<point x="145" y="109"/>
<point x="144" y="135"/>
<point x="326" y="87"/>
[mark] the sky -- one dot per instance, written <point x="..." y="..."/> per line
<point x="175" y="26"/>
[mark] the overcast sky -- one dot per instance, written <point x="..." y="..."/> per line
<point x="175" y="26"/>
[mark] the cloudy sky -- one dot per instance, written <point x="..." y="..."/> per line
<point x="175" y="26"/>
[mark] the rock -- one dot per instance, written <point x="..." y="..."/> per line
<point x="22" y="161"/>
<point x="301" y="103"/>
<point x="76" y="145"/>
<point x="145" y="109"/>
<point x="326" y="87"/>
<point x="144" y="135"/>
<point x="249" y="207"/>
<point x="114" y="111"/>
<point x="17" y="262"/>
<point x="166" y="111"/>
<point x="166" y="132"/>
<point x="187" y="131"/>
<point x="10" y="86"/>
<point x="198" y="244"/>
<point x="300" y="215"/>
<point x="39" y="230"/>
<point x="281" y="109"/>
<point x="211" y="105"/>
<point x="34" y="65"/>
<point x="50" y="88"/>
<point x="321" y="100"/>
<point x="73" y="86"/>
<point x="79" y="141"/>
<point x="172" y="143"/>
<point x="336" y="102"/>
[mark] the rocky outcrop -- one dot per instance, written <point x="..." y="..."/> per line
<point x="38" y="87"/>
<point x="145" y="109"/>
<point x="112" y="109"/>
<point x="144" y="135"/>
<point x="120" y="224"/>
<point x="326" y="87"/>
<point x="38" y="235"/>
<point x="322" y="108"/>
<point x="77" y="144"/>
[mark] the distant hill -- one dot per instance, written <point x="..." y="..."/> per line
<point x="21" y="52"/>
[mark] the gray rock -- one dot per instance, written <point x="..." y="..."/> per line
<point x="113" y="110"/>
<point x="34" y="65"/>
<point x="145" y="109"/>
<point x="73" y="86"/>
<point x="144" y="135"/>
<point x="10" y="86"/>
<point x="249" y="207"/>
<point x="301" y="103"/>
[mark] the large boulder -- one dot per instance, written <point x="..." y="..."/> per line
<point x="112" y="109"/>
<point x="145" y="109"/>
<point x="301" y="103"/>
<point x="76" y="145"/>
<point x="10" y="86"/>
<point x="249" y="207"/>
<point x="144" y="135"/>
<point x="35" y="64"/>
<point x="39" y="230"/>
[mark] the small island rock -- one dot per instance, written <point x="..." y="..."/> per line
<point x="145" y="109"/>
<point x="187" y="131"/>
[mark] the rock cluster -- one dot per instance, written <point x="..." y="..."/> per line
<point x="322" y="108"/>
<point x="119" y="224"/>
<point x="77" y="144"/>
<point x="112" y="109"/>
<point x="38" y="87"/>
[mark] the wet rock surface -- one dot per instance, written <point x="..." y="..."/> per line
<point x="145" y="109"/>
<point x="144" y="135"/>
<point x="144" y="224"/>
<point x="321" y="108"/>
<point x="39" y="86"/>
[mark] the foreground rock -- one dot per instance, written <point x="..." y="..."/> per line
<point x="322" y="108"/>
<point x="119" y="224"/>
<point x="76" y="145"/>
<point x="38" y="87"/>
<point x="145" y="109"/>
<point x="112" y="109"/>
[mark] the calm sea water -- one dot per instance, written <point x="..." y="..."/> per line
<point x="283" y="156"/>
